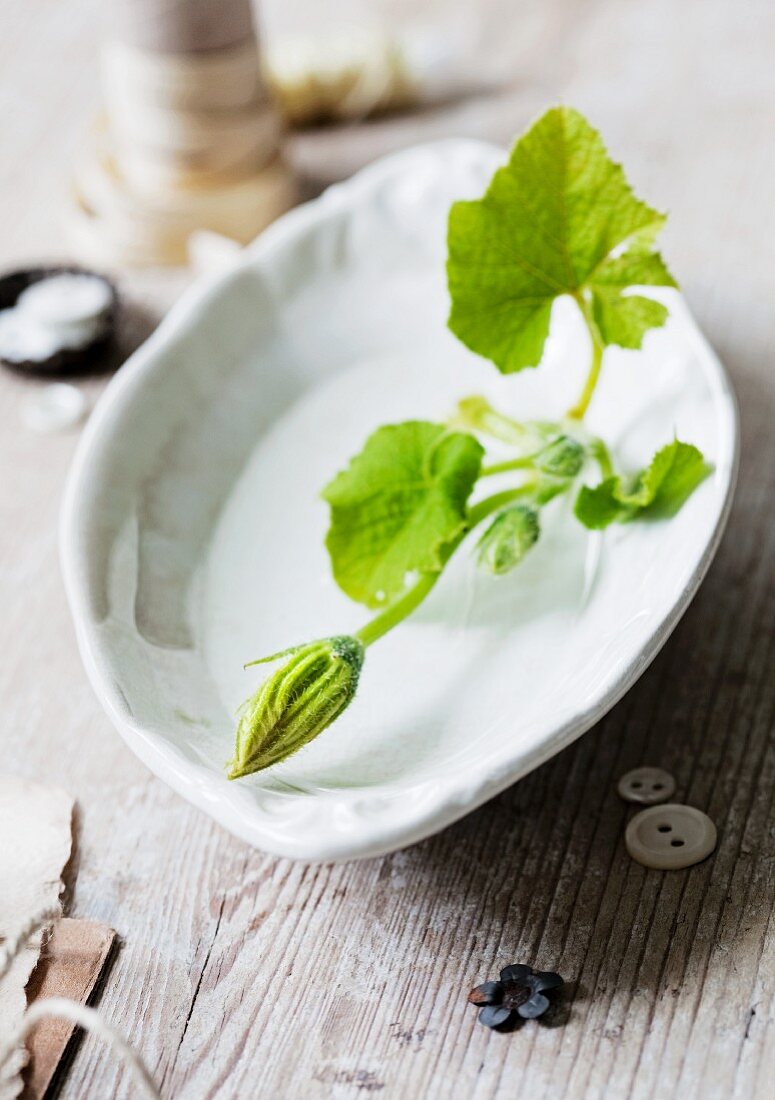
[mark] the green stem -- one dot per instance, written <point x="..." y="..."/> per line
<point x="491" y="504"/>
<point x="602" y="456"/>
<point x="398" y="611"/>
<point x="373" y="630"/>
<point x="503" y="467"/>
<point x="579" y="409"/>
<point x="476" y="414"/>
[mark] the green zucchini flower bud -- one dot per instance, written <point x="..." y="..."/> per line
<point x="297" y="702"/>
<point x="563" y="457"/>
<point x="508" y="538"/>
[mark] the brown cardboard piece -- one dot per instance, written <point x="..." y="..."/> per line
<point x="71" y="963"/>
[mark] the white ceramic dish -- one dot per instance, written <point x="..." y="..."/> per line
<point x="192" y="527"/>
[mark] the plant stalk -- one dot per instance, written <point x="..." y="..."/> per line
<point x="602" y="456"/>
<point x="580" y="408"/>
<point x="476" y="414"/>
<point x="398" y="611"/>
<point x="377" y="627"/>
<point x="523" y="463"/>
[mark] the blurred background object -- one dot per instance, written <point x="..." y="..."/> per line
<point x="190" y="139"/>
<point x="55" y="320"/>
<point x="372" y="58"/>
<point x="194" y="113"/>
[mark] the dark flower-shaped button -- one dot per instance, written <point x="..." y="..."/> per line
<point x="520" y="991"/>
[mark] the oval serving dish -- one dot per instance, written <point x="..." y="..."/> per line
<point x="192" y="533"/>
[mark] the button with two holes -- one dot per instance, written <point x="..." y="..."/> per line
<point x="646" y="786"/>
<point x="670" y="837"/>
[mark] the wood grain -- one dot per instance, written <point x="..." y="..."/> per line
<point x="247" y="976"/>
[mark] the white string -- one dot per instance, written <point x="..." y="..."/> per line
<point x="92" y="1022"/>
<point x="15" y="944"/>
<point x="84" y="1017"/>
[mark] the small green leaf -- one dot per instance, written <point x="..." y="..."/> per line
<point x="656" y="492"/>
<point x="399" y="507"/>
<point x="624" y="319"/>
<point x="559" y="218"/>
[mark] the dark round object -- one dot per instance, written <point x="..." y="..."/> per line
<point x="68" y="361"/>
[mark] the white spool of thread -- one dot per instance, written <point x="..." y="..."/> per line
<point x="216" y="80"/>
<point x="103" y="188"/>
<point x="182" y="26"/>
<point x="158" y="149"/>
<point x="112" y="224"/>
<point x="192" y="140"/>
<point x="195" y="133"/>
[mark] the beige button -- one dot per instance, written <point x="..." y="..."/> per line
<point x="647" y="786"/>
<point x="670" y="837"/>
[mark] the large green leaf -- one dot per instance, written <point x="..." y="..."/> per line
<point x="399" y="507"/>
<point x="559" y="218"/>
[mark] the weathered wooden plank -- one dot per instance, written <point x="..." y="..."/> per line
<point x="242" y="975"/>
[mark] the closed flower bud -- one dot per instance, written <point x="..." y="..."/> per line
<point x="296" y="703"/>
<point x="508" y="538"/>
<point x="563" y="457"/>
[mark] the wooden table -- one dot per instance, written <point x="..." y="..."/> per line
<point x="241" y="975"/>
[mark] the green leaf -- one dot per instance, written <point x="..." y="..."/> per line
<point x="559" y="218"/>
<point x="399" y="508"/>
<point x="658" y="491"/>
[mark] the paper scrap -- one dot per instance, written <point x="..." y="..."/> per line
<point x="35" y="845"/>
